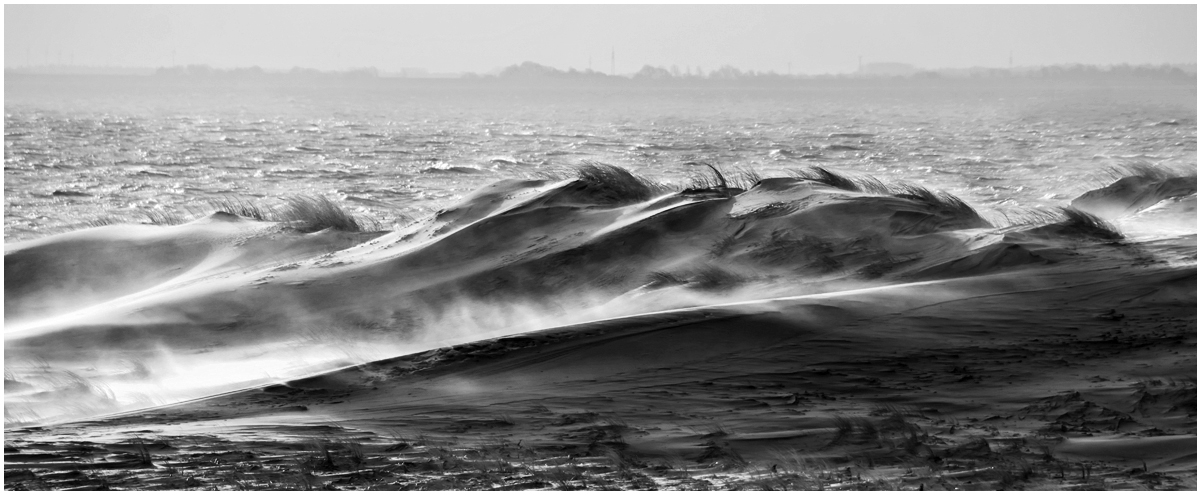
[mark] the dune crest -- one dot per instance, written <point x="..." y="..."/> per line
<point x="813" y="331"/>
<point x="1137" y="188"/>
<point x="514" y="256"/>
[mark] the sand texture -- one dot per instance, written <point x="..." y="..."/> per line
<point x="814" y="331"/>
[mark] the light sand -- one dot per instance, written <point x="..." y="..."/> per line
<point x="825" y="338"/>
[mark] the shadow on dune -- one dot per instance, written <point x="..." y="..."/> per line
<point x="512" y="257"/>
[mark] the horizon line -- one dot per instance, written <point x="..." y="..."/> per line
<point x="419" y="72"/>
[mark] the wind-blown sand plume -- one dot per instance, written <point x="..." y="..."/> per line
<point x="1146" y="200"/>
<point x="72" y="271"/>
<point x="1135" y="188"/>
<point x="836" y="315"/>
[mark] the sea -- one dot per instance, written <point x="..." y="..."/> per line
<point x="81" y="151"/>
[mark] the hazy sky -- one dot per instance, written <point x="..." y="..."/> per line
<point x="454" y="38"/>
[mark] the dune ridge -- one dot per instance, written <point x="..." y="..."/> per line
<point x="605" y="295"/>
<point x="530" y="253"/>
<point x="1137" y="187"/>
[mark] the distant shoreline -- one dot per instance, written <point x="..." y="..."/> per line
<point x="530" y="73"/>
<point x="16" y="80"/>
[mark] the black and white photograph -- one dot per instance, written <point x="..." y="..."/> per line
<point x="559" y="247"/>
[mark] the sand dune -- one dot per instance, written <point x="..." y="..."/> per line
<point x="558" y="248"/>
<point x="1139" y="187"/>
<point x="796" y="326"/>
<point x="79" y="269"/>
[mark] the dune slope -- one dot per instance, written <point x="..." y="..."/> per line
<point x="961" y="381"/>
<point x="807" y="332"/>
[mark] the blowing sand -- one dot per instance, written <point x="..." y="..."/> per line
<point x="810" y="332"/>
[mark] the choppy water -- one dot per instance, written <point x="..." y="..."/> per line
<point x="395" y="149"/>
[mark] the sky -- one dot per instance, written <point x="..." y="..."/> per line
<point x="806" y="39"/>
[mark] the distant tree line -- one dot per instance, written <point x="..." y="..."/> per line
<point x="205" y="71"/>
<point x="530" y="71"/>
<point x="1164" y="71"/>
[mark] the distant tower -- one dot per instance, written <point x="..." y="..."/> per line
<point x="589" y="64"/>
<point x="861" y="63"/>
<point x="613" y="62"/>
<point x="1011" y="59"/>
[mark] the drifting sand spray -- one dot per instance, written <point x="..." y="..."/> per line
<point x="193" y="339"/>
<point x="51" y="389"/>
